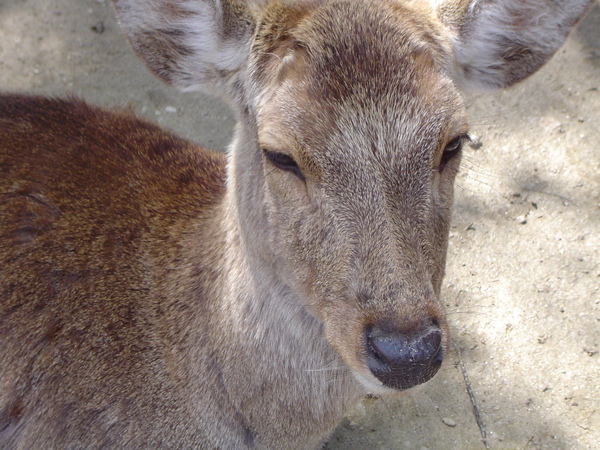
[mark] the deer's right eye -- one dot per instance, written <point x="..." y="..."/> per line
<point x="283" y="162"/>
<point x="452" y="150"/>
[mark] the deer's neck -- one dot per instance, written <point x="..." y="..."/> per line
<point x="262" y="311"/>
<point x="272" y="353"/>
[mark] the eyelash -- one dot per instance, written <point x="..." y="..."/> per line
<point x="283" y="162"/>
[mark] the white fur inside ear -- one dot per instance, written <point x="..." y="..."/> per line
<point x="212" y="45"/>
<point x="186" y="43"/>
<point x="498" y="43"/>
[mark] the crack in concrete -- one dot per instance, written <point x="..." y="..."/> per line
<point x="472" y="398"/>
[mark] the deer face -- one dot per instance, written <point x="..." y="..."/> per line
<point x="360" y="143"/>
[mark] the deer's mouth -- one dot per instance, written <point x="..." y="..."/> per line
<point x="389" y="358"/>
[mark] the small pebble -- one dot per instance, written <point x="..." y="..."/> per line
<point x="449" y="422"/>
<point x="98" y="27"/>
<point x="171" y="109"/>
<point x="352" y="425"/>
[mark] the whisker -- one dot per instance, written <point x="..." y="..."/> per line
<point x="325" y="369"/>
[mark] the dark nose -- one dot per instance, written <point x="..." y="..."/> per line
<point x="402" y="361"/>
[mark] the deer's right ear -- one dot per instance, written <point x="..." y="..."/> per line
<point x="497" y="43"/>
<point x="190" y="44"/>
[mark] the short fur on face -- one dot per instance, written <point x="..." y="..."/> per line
<point x="363" y="237"/>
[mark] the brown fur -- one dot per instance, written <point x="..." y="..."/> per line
<point x="154" y="295"/>
<point x="91" y="204"/>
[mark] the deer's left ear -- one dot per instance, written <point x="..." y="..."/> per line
<point x="497" y="43"/>
<point x="190" y="44"/>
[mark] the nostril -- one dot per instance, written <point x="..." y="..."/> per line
<point x="402" y="361"/>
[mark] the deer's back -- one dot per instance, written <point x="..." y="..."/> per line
<point x="93" y="205"/>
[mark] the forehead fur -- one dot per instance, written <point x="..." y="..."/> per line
<point x="371" y="71"/>
<point x="350" y="44"/>
<point x="360" y="50"/>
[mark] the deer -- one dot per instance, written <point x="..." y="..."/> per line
<point x="157" y="294"/>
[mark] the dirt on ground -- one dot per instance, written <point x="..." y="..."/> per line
<point x="522" y="288"/>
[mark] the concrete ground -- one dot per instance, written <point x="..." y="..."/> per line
<point x="522" y="289"/>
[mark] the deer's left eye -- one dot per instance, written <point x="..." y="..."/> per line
<point x="452" y="150"/>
